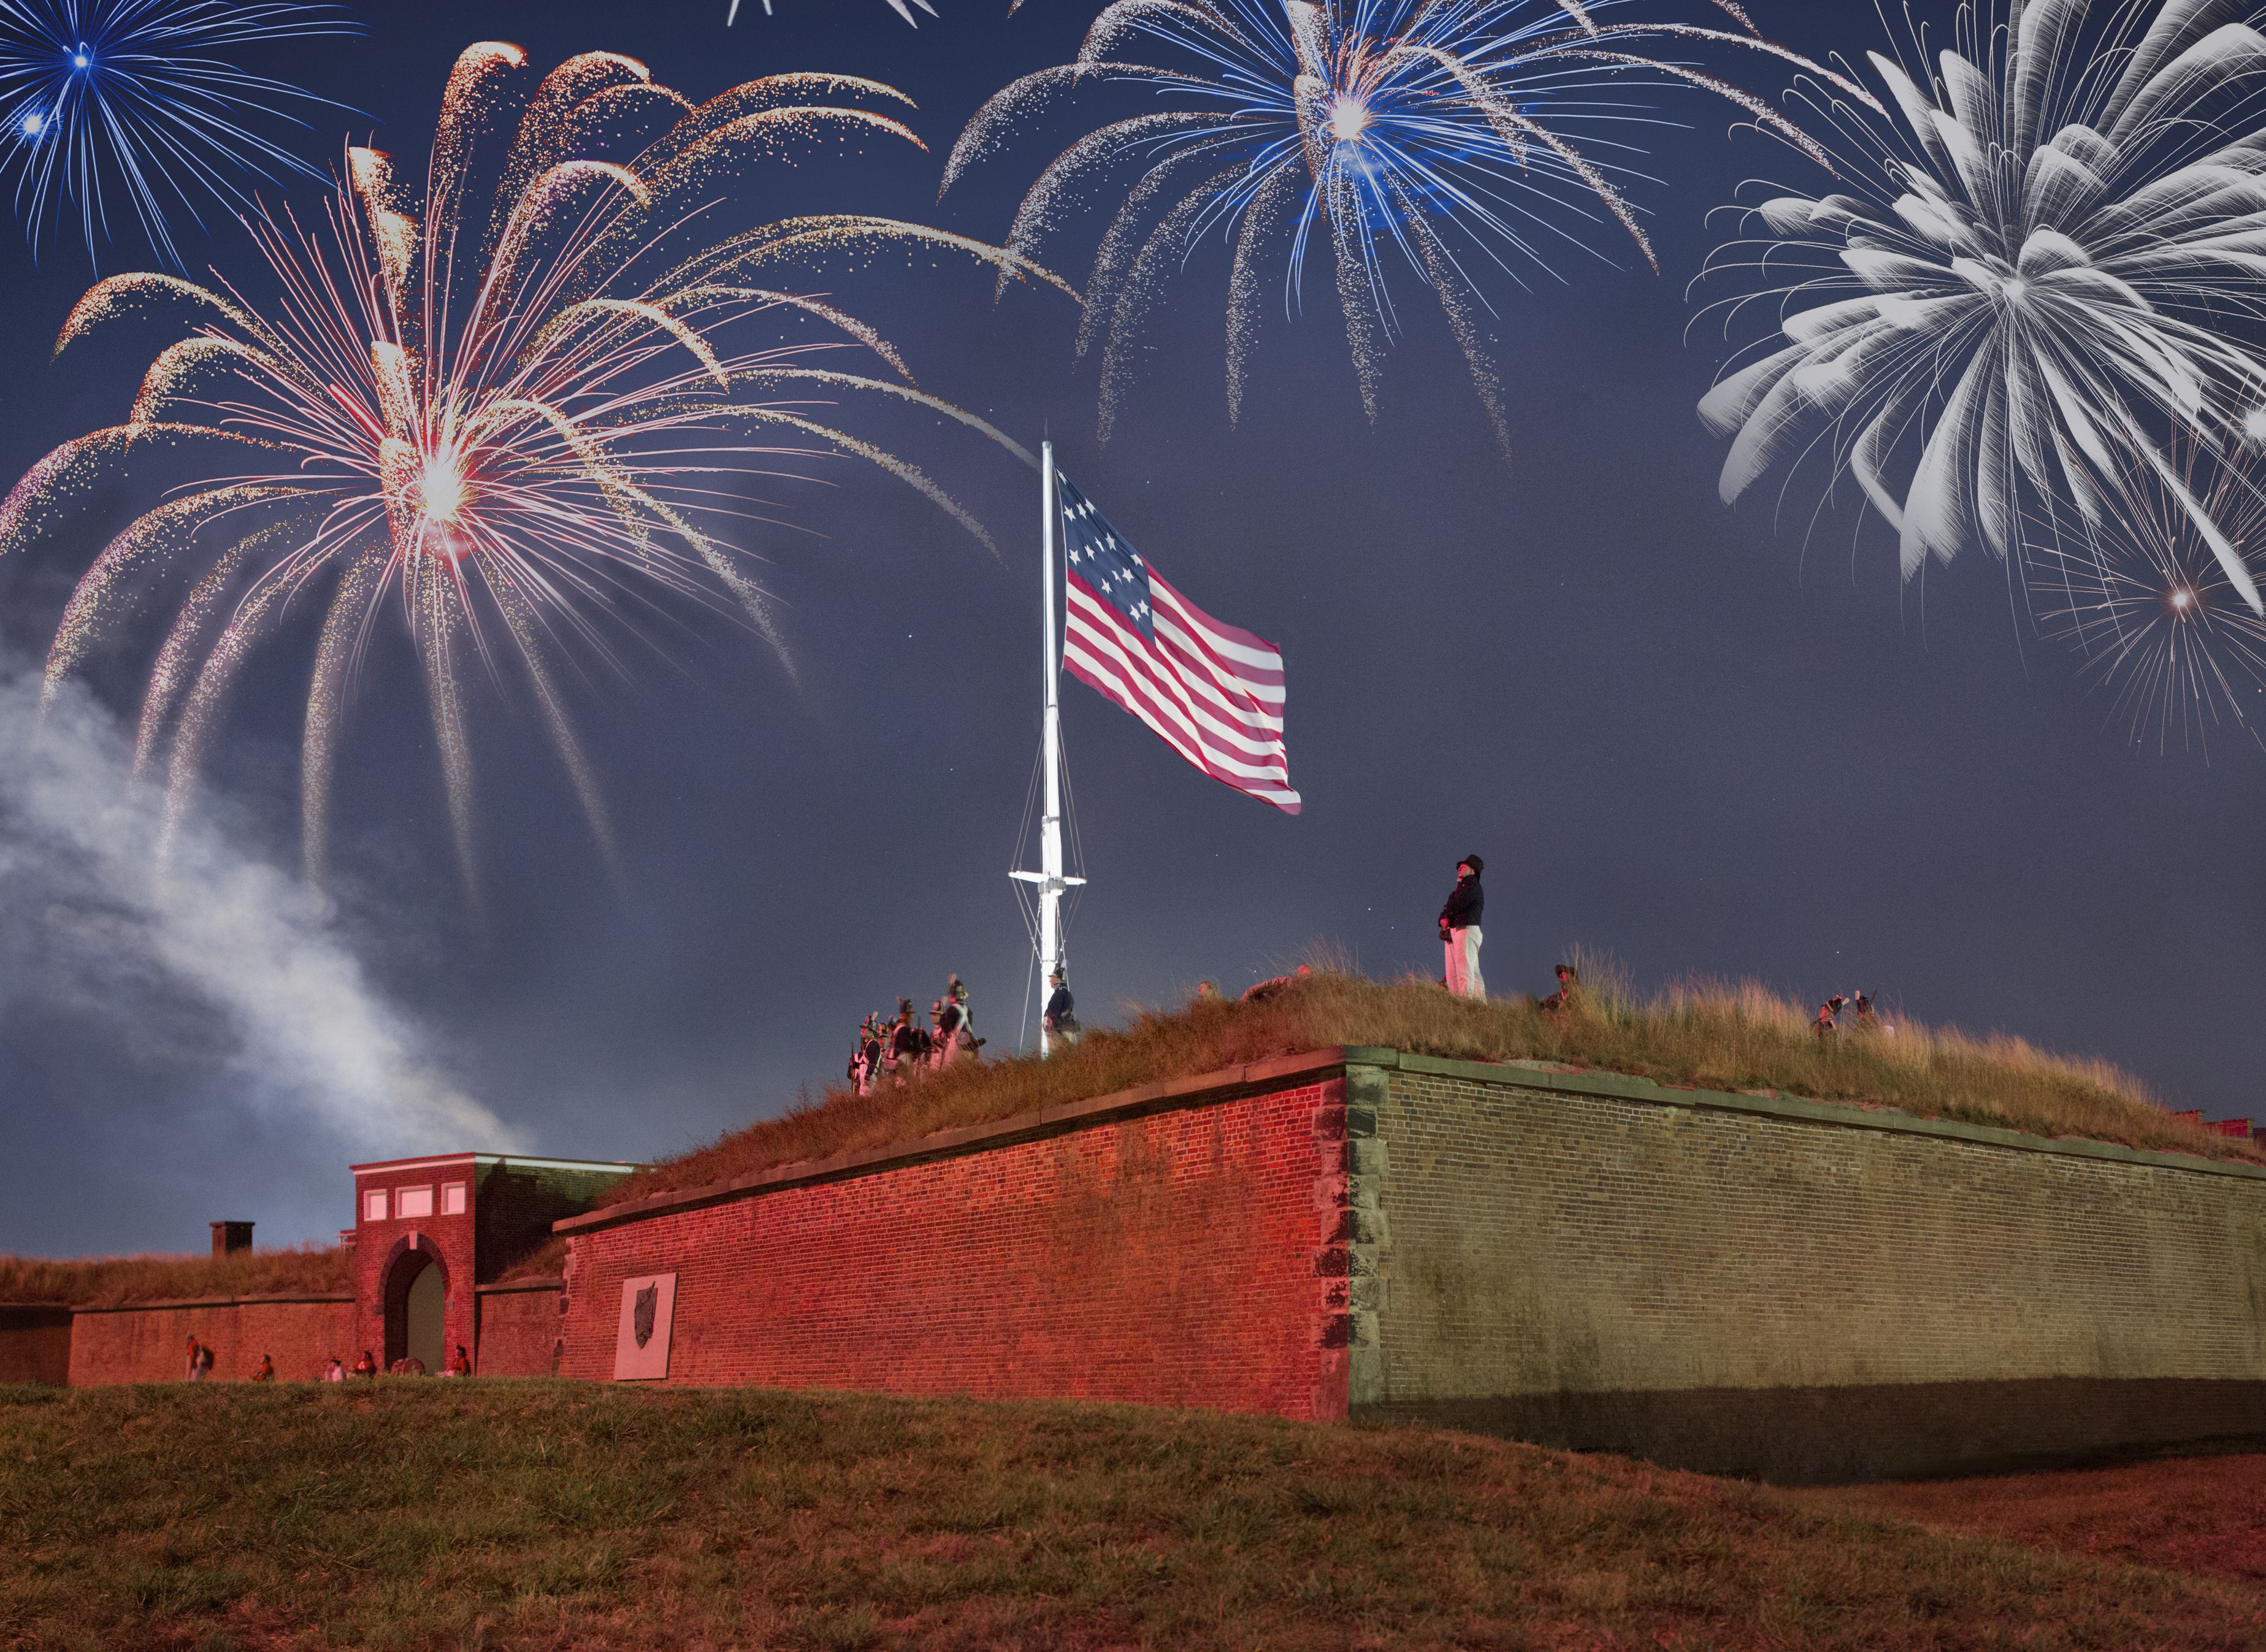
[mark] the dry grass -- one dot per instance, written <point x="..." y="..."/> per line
<point x="505" y="1516"/>
<point x="105" y="1281"/>
<point x="1712" y="1035"/>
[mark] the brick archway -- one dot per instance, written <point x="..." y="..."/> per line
<point x="406" y="1263"/>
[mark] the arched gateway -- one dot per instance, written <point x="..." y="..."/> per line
<point x="416" y="1308"/>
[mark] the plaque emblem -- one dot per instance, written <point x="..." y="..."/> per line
<point x="641" y="1313"/>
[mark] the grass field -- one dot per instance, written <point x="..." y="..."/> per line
<point x="1736" y="1036"/>
<point x="425" y="1515"/>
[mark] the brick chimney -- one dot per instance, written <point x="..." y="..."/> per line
<point x="230" y="1237"/>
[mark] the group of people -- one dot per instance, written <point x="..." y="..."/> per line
<point x="458" y="1364"/>
<point x="891" y="1051"/>
<point x="1867" y="1020"/>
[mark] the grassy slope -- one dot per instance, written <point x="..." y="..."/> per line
<point x="1716" y="1037"/>
<point x="418" y="1514"/>
<point x="107" y="1281"/>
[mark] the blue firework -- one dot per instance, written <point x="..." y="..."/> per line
<point x="1445" y="137"/>
<point x="107" y="105"/>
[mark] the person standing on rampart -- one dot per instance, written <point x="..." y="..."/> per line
<point x="908" y="1045"/>
<point x="1061" y="1019"/>
<point x="951" y="1025"/>
<point x="1460" y="930"/>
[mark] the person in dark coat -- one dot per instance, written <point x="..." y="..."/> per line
<point x="1569" y="988"/>
<point x="909" y="1044"/>
<point x="1825" y="1026"/>
<point x="1061" y="1019"/>
<point x="1460" y="930"/>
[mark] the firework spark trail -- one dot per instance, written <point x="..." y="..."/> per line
<point x="484" y="411"/>
<point x="898" y="6"/>
<point x="1435" y="136"/>
<point x="143" y="99"/>
<point x="2023" y="287"/>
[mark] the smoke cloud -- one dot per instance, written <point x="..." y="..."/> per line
<point x="231" y="1023"/>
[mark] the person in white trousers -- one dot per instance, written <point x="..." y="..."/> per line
<point x="1460" y="930"/>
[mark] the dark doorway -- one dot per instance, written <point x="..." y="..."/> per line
<point x="416" y="1297"/>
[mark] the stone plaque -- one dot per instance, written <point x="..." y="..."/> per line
<point x="641" y="1344"/>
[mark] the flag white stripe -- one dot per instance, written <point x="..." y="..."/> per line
<point x="1197" y="620"/>
<point x="1226" y="690"/>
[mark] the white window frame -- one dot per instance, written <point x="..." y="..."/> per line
<point x="453" y="1201"/>
<point x="374" y="1205"/>
<point x="403" y="1198"/>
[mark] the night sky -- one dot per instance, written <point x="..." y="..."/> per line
<point x="1706" y="740"/>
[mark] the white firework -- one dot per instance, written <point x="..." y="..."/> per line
<point x="2022" y="294"/>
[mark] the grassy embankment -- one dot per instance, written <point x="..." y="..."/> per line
<point x="416" y="1514"/>
<point x="1712" y="1035"/>
<point x="104" y="1281"/>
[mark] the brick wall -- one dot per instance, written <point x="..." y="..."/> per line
<point x="150" y="1344"/>
<point x="1152" y="1251"/>
<point x="519" y="1329"/>
<point x="35" y="1340"/>
<point x="1789" y="1288"/>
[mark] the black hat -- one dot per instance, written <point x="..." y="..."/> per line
<point x="1477" y="865"/>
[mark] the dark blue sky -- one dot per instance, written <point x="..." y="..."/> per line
<point x="1672" y="733"/>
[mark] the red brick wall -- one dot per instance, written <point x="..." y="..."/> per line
<point x="35" y="1344"/>
<point x="519" y="1333"/>
<point x="1189" y="1257"/>
<point x="151" y="1345"/>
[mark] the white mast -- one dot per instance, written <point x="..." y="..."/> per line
<point x="1048" y="877"/>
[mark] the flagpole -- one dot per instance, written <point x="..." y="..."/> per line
<point x="1048" y="880"/>
<point x="1050" y="860"/>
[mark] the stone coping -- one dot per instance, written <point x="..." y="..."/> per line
<point x="163" y="1305"/>
<point x="1200" y="1089"/>
<point x="506" y="1287"/>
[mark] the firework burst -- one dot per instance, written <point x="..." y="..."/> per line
<point x="503" y="410"/>
<point x="1447" y="135"/>
<point x="2146" y="601"/>
<point x="144" y="101"/>
<point x="2023" y="288"/>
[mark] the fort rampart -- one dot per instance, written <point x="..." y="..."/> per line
<point x="1746" y="1284"/>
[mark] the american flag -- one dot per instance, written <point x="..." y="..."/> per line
<point x="1212" y="692"/>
